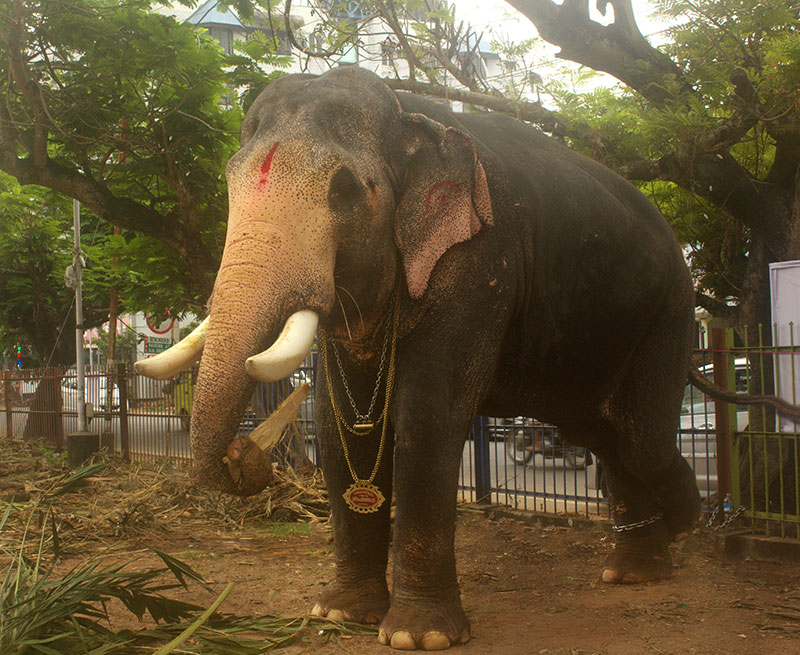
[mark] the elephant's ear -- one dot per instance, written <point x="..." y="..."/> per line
<point x="444" y="198"/>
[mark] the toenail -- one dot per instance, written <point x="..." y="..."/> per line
<point x="336" y="615"/>
<point x="610" y="576"/>
<point x="317" y="611"/>
<point x="434" y="640"/>
<point x="383" y="638"/>
<point x="402" y="640"/>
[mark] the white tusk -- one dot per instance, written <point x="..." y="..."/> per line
<point x="283" y="357"/>
<point x="178" y="358"/>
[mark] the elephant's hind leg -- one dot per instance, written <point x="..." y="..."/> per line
<point x="641" y="551"/>
<point x="645" y="521"/>
<point x="653" y="488"/>
<point x="641" y="535"/>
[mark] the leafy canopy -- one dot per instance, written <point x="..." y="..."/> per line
<point x="134" y="114"/>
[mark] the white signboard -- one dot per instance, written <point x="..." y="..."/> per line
<point x="784" y="279"/>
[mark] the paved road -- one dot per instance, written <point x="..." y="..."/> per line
<point x="542" y="484"/>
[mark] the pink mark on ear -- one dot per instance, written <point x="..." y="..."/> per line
<point x="444" y="189"/>
<point x="262" y="180"/>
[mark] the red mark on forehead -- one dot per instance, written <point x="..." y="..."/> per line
<point x="439" y="193"/>
<point x="262" y="180"/>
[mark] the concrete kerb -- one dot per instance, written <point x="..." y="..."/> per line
<point x="732" y="545"/>
<point x="744" y="545"/>
<point x="536" y="519"/>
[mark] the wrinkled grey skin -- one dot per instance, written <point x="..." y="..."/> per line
<point x="532" y="281"/>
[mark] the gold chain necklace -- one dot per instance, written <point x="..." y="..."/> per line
<point x="363" y="423"/>
<point x="363" y="496"/>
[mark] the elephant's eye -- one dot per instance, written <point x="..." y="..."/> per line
<point x="346" y="191"/>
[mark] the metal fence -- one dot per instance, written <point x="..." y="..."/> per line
<point x="517" y="462"/>
<point x="765" y="452"/>
<point x="142" y="419"/>
<point x="523" y="463"/>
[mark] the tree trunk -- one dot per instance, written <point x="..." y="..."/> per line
<point x="44" y="417"/>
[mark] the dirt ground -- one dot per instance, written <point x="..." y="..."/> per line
<point x="527" y="590"/>
<point x="528" y="587"/>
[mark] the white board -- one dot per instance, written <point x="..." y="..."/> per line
<point x="784" y="283"/>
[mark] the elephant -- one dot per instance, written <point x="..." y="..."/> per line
<point x="454" y="265"/>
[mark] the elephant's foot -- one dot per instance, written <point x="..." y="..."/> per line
<point x="363" y="603"/>
<point x="678" y="498"/>
<point x="681" y="517"/>
<point x="640" y="555"/>
<point x="424" y="626"/>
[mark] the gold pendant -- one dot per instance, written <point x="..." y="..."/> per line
<point x="363" y="427"/>
<point x="363" y="497"/>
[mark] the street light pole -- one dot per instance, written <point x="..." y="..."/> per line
<point x="77" y="265"/>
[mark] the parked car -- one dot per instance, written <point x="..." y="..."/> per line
<point x="696" y="436"/>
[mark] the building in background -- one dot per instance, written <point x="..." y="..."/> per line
<point x="374" y="48"/>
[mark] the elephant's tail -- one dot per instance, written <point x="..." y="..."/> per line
<point x="707" y="386"/>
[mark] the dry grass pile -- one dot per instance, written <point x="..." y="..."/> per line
<point x="47" y="511"/>
<point x="113" y="498"/>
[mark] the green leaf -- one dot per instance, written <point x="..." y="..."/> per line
<point x="181" y="570"/>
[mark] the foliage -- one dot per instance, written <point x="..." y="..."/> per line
<point x="119" y="107"/>
<point x="126" y="343"/>
<point x="735" y="105"/>
<point x="36" y="246"/>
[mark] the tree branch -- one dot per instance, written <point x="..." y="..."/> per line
<point x="618" y="49"/>
<point x="287" y="23"/>
<point x="124" y="212"/>
<point x="714" y="306"/>
<point x="548" y="120"/>
<point x="30" y="91"/>
<point x="390" y="16"/>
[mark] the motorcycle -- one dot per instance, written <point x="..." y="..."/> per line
<point x="527" y="437"/>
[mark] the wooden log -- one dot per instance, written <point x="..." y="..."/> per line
<point x="267" y="435"/>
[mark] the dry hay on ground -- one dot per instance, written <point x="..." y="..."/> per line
<point x="117" y="499"/>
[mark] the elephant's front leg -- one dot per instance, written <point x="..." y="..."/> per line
<point x="425" y="609"/>
<point x="361" y="541"/>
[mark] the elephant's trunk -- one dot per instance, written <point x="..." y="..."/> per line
<point x="263" y="281"/>
<point x="221" y="396"/>
<point x="278" y="262"/>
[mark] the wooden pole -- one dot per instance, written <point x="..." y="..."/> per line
<point x="721" y="414"/>
<point x="123" y="411"/>
<point x="7" y="401"/>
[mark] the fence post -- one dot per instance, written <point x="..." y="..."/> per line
<point x="482" y="480"/>
<point x="722" y="378"/>
<point x="736" y="490"/>
<point x="7" y="402"/>
<point x="122" y="385"/>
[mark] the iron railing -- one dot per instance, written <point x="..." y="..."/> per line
<point x="766" y="453"/>
<point x="516" y="462"/>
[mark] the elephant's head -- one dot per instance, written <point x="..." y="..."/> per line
<point x="334" y="187"/>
